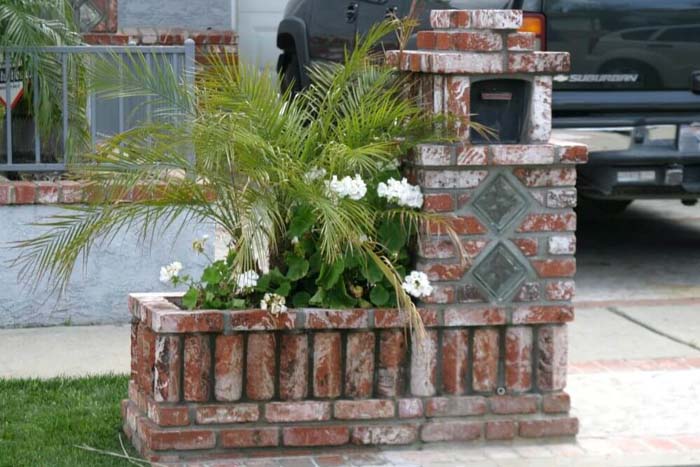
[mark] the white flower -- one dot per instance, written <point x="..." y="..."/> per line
<point x="295" y="240"/>
<point x="401" y="193"/>
<point x="169" y="272"/>
<point x="417" y="284"/>
<point x="314" y="174"/>
<point x="353" y="188"/>
<point x="389" y="165"/>
<point x="273" y="302"/>
<point x="247" y="280"/>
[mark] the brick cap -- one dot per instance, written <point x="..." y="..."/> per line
<point x="476" y="19"/>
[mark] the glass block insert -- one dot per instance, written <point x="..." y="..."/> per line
<point x="500" y="272"/>
<point x="499" y="203"/>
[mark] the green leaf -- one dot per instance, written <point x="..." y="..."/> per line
<point x="379" y="295"/>
<point x="338" y="297"/>
<point x="372" y="273"/>
<point x="318" y="297"/>
<point x="189" y="300"/>
<point x="302" y="221"/>
<point x="297" y="267"/>
<point x="330" y="274"/>
<point x="284" y="288"/>
<point x="212" y="274"/>
<point x="392" y="236"/>
<point x="301" y="299"/>
<point x="238" y="303"/>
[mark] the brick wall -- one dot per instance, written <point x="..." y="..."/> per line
<point x="236" y="383"/>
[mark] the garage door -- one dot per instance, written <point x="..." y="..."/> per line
<point x="257" y="30"/>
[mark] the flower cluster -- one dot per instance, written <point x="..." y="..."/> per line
<point x="247" y="280"/>
<point x="401" y="193"/>
<point x="314" y="174"/>
<point x="417" y="284"/>
<point x="353" y="188"/>
<point x="274" y="303"/>
<point x="170" y="272"/>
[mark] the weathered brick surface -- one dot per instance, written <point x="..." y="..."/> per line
<point x="455" y="406"/>
<point x="424" y="364"/>
<point x="316" y="436"/>
<point x="391" y="365"/>
<point x="303" y="411"/>
<point x="501" y="430"/>
<point x="410" y="408"/>
<point x="455" y="361"/>
<point x="197" y="368"/>
<point x="250" y="437"/>
<point x="549" y="428"/>
<point x="260" y="366"/>
<point x="238" y="413"/>
<point x="384" y="434"/>
<point x="451" y="431"/>
<point x="518" y="358"/>
<point x="364" y="409"/>
<point x="559" y="402"/>
<point x="167" y="369"/>
<point x="359" y="365"/>
<point x="228" y="369"/>
<point x="294" y="366"/>
<point x="485" y="365"/>
<point x="507" y="405"/>
<point x="327" y="378"/>
<point x="552" y="347"/>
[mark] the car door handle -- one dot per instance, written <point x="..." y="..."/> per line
<point x="351" y="12"/>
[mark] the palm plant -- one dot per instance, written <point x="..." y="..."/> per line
<point x="263" y="174"/>
<point x="28" y="24"/>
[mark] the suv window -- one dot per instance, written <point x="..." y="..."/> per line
<point x="684" y="34"/>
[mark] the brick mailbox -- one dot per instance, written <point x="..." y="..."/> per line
<point x="492" y="363"/>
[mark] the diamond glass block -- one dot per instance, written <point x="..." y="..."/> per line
<point x="500" y="272"/>
<point x="90" y="16"/>
<point x="499" y="203"/>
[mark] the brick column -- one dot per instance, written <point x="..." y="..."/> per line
<point x="511" y="204"/>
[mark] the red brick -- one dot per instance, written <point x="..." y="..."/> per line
<point x="521" y="41"/>
<point x="260" y="366"/>
<point x="539" y="62"/>
<point x="518" y="359"/>
<point x="235" y="413"/>
<point x="455" y="361"/>
<point x="393" y="318"/>
<point x="250" y="437"/>
<point x="228" y="369"/>
<point x="134" y="350"/>
<point x="165" y="415"/>
<point x="552" y="345"/>
<point x="561" y="290"/>
<point x="449" y="179"/>
<point x="543" y="314"/>
<point x="496" y="19"/>
<point x="551" y="268"/>
<point x="561" y="245"/>
<point x="433" y="155"/>
<point x="435" y="248"/>
<point x="485" y="366"/>
<point x="384" y="434"/>
<point x="302" y="411"/>
<point x="197" y="368"/>
<point x="548" y="223"/>
<point x="474" y="316"/>
<point x="410" y="408"/>
<point x="426" y="40"/>
<point x="441" y="202"/>
<point x="316" y="436"/>
<point x="522" y="154"/>
<point x="546" y="177"/>
<point x="336" y="319"/>
<point x="549" y="428"/>
<point x="561" y="198"/>
<point x="442" y="271"/>
<point x="528" y="246"/>
<point x="364" y="409"/>
<point x="472" y="155"/>
<point x="508" y="405"/>
<point x="182" y="439"/>
<point x="327" y="378"/>
<point x="359" y="365"/>
<point x="457" y="98"/>
<point x="71" y="192"/>
<point x="559" y="402"/>
<point x="573" y="153"/>
<point x="147" y="356"/>
<point x="465" y="225"/>
<point x="391" y="363"/>
<point x="441" y="295"/>
<point x="501" y="430"/>
<point x="6" y="193"/>
<point x="167" y="369"/>
<point x="25" y="192"/>
<point x="455" y="406"/>
<point x="261" y="320"/>
<point x="166" y="318"/>
<point x="47" y="192"/>
<point x="424" y="363"/>
<point x="294" y="367"/>
<point x="451" y="431"/>
<point x="445" y="19"/>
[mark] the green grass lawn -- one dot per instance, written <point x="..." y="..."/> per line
<point x="41" y="422"/>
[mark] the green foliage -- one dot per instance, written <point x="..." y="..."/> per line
<point x="262" y="171"/>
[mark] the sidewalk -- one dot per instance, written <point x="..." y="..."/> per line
<point x="634" y="383"/>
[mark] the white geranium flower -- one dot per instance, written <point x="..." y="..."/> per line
<point x="198" y="245"/>
<point x="295" y="240"/>
<point x="401" y="193"/>
<point x="274" y="303"/>
<point x="417" y="284"/>
<point x="353" y="188"/>
<point x="247" y="280"/>
<point x="314" y="174"/>
<point x="169" y="272"/>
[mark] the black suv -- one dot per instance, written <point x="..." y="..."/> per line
<point x="632" y="95"/>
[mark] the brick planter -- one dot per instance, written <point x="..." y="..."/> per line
<point x="233" y="383"/>
<point x="492" y="365"/>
